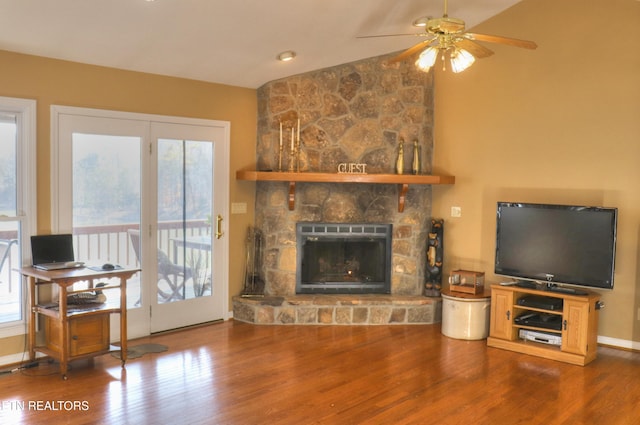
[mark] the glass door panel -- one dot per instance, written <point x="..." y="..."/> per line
<point x="184" y="219"/>
<point x="106" y="202"/>
<point x="189" y="194"/>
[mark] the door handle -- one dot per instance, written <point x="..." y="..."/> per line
<point x="218" y="226"/>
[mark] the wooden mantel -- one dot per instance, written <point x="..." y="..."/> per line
<point x="404" y="180"/>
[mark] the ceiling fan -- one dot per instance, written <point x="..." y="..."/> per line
<point x="446" y="36"/>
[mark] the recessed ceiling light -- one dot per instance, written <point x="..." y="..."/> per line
<point x="421" y="21"/>
<point x="286" y="56"/>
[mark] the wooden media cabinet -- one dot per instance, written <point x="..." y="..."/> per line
<point x="577" y="317"/>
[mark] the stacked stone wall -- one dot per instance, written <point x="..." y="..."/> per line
<point x="352" y="113"/>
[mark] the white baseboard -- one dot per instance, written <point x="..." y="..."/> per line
<point x="620" y="343"/>
<point x="17" y="358"/>
<point x="13" y="359"/>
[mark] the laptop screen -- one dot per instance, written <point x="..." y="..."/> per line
<point x="52" y="248"/>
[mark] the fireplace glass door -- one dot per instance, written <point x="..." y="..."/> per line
<point x="343" y="258"/>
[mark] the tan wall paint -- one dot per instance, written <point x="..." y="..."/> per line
<point x="66" y="83"/>
<point x="560" y="124"/>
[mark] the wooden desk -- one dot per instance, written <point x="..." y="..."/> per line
<point x="92" y="322"/>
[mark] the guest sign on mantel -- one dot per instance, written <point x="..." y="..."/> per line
<point x="352" y="168"/>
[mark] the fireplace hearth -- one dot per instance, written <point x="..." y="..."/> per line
<point x="343" y="258"/>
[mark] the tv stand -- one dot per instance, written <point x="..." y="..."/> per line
<point x="563" y="290"/>
<point x="578" y="318"/>
<point x="547" y="286"/>
<point x="526" y="284"/>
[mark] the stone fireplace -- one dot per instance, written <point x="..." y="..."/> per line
<point x="353" y="113"/>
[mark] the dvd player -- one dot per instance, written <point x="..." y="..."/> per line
<point x="541" y="302"/>
<point x="543" y="337"/>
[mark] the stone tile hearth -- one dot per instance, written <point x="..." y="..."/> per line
<point x="338" y="310"/>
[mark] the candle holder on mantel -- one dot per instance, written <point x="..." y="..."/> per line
<point x="294" y="151"/>
<point x="280" y="150"/>
<point x="292" y="159"/>
<point x="415" y="166"/>
<point x="298" y="155"/>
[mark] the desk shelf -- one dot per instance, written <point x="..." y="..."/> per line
<point x="54" y="312"/>
<point x="403" y="180"/>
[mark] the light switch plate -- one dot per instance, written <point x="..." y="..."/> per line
<point x="238" y="208"/>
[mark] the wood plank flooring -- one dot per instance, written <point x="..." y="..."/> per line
<point x="237" y="373"/>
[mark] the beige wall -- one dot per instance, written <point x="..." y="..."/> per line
<point x="560" y="124"/>
<point x="66" y="83"/>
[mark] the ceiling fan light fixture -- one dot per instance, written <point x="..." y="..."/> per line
<point x="461" y="60"/>
<point x="427" y="59"/>
<point x="421" y="22"/>
<point x="287" y="56"/>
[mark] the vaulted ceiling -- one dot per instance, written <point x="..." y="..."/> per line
<point x="232" y="42"/>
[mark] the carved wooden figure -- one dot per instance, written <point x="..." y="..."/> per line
<point x="433" y="276"/>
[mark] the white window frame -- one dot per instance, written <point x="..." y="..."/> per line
<point x="25" y="112"/>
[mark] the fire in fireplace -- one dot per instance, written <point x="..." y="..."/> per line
<point x="343" y="258"/>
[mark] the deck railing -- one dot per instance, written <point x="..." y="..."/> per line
<point x="111" y="243"/>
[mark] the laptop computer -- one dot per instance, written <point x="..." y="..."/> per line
<point x="53" y="252"/>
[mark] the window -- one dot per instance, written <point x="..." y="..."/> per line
<point x="17" y="206"/>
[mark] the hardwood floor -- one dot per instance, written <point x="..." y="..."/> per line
<point x="237" y="373"/>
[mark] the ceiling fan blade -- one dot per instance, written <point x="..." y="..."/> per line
<point x="501" y="40"/>
<point x="474" y="48"/>
<point x="411" y="51"/>
<point x="393" y="35"/>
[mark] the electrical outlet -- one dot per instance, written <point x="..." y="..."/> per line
<point x="456" y="212"/>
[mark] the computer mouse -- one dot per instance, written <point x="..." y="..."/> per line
<point x="108" y="266"/>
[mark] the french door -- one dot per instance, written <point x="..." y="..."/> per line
<point x="183" y="161"/>
<point x="149" y="192"/>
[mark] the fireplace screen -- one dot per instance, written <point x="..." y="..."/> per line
<point x="343" y="258"/>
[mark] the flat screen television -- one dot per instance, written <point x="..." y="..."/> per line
<point x="556" y="244"/>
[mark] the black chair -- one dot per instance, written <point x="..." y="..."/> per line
<point x="5" y="252"/>
<point x="173" y="274"/>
